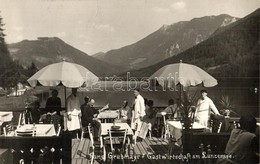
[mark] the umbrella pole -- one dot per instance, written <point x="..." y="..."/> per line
<point x="180" y="93"/>
<point x="65" y="114"/>
<point x="65" y="97"/>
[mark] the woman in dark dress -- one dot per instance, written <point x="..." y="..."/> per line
<point x="53" y="104"/>
<point x="52" y="109"/>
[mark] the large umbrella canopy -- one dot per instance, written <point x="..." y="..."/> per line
<point x="70" y="75"/>
<point x="184" y="74"/>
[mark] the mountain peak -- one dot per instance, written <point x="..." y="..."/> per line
<point x="167" y="41"/>
<point x="48" y="38"/>
<point x="164" y="27"/>
<point x="228" y="21"/>
<point x="232" y="52"/>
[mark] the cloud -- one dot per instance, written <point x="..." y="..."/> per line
<point x="179" y="6"/>
<point x="19" y="37"/>
<point x="87" y="43"/>
<point x="81" y="36"/>
<point x="161" y="10"/>
<point x="18" y="28"/>
<point x="61" y="34"/>
<point x="104" y="27"/>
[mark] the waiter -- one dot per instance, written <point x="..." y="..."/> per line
<point x="138" y="113"/>
<point x="204" y="106"/>
<point x="73" y="113"/>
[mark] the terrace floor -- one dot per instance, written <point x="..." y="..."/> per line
<point x="145" y="151"/>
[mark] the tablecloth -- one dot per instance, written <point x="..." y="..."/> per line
<point x="176" y="129"/>
<point x="41" y="129"/>
<point x="5" y="117"/>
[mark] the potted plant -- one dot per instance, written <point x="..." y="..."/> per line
<point x="227" y="106"/>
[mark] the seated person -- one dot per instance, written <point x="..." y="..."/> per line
<point x="52" y="110"/>
<point x="53" y="104"/>
<point x="32" y="114"/>
<point x="243" y="144"/>
<point x="173" y="109"/>
<point x="125" y="112"/>
<point x="88" y="115"/>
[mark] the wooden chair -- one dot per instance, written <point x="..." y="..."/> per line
<point x="26" y="133"/>
<point x="165" y="130"/>
<point x="215" y="126"/>
<point x="22" y="118"/>
<point x="58" y="131"/>
<point x="85" y="130"/>
<point x="191" y="114"/>
<point x="8" y="130"/>
<point x="236" y="124"/>
<point x="92" y="147"/>
<point x="219" y="127"/>
<point x="117" y="142"/>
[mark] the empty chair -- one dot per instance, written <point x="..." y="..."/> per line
<point x="25" y="133"/>
<point x="165" y="130"/>
<point x="236" y="124"/>
<point x="58" y="130"/>
<point x="219" y="127"/>
<point x="117" y="142"/>
<point x="215" y="126"/>
<point x="192" y="113"/>
<point x="8" y="130"/>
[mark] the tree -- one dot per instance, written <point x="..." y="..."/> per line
<point x="10" y="71"/>
<point x="5" y="59"/>
<point x="31" y="70"/>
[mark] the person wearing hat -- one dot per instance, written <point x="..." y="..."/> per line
<point x="204" y="106"/>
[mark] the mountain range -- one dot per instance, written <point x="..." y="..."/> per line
<point x="231" y="52"/>
<point x="222" y="45"/>
<point x="168" y="41"/>
<point x="47" y="50"/>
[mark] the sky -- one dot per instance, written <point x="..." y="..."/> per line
<point x="101" y="25"/>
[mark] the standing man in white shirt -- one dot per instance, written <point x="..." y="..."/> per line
<point x="204" y="106"/>
<point x="74" y="113"/>
<point x="138" y="113"/>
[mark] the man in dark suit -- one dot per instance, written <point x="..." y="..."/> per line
<point x="89" y="113"/>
